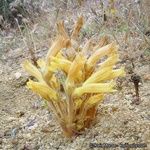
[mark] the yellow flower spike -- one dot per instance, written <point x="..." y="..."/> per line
<point x="59" y="44"/>
<point x="118" y="73"/>
<point x="63" y="67"/>
<point x="98" y="76"/>
<point x="32" y="70"/>
<point x="74" y="74"/>
<point x="61" y="60"/>
<point x="93" y="100"/>
<point x="43" y="90"/>
<point x="105" y="50"/>
<point x="77" y="28"/>
<point x="61" y="30"/>
<point x="95" y="88"/>
<point x="103" y="41"/>
<point x="62" y="64"/>
<point x="76" y="66"/>
<point x="110" y="61"/>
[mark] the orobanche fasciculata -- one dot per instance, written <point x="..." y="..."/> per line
<point x="73" y="79"/>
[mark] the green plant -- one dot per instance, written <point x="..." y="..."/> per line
<point x="4" y="8"/>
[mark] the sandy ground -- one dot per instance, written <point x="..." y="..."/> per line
<point x="26" y="124"/>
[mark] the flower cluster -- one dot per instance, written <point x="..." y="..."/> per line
<point x="74" y="79"/>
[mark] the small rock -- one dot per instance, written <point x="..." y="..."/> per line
<point x="11" y="119"/>
<point x="28" y="136"/>
<point x="17" y="75"/>
<point x="14" y="132"/>
<point x="147" y="77"/>
<point x="4" y="57"/>
<point x="1" y="141"/>
<point x="14" y="141"/>
<point x="33" y="127"/>
<point x="9" y="78"/>
<point x="20" y="114"/>
<point x="131" y="107"/>
<point x="45" y="130"/>
<point x="128" y="97"/>
<point x="18" y="52"/>
<point x="26" y="147"/>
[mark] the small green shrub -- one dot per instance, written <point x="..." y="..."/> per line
<point x="5" y="9"/>
<point x="10" y="10"/>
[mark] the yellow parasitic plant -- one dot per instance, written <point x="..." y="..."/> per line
<point x="73" y="79"/>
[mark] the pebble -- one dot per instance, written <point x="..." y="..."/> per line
<point x="11" y="119"/>
<point x="18" y="52"/>
<point x="17" y="75"/>
<point x="28" y="136"/>
<point x="147" y="77"/>
<point x="20" y="114"/>
<point x="14" y="141"/>
<point x="26" y="147"/>
<point x="131" y="107"/>
<point x="45" y="130"/>
<point x="128" y="97"/>
<point x="1" y="141"/>
<point x="14" y="132"/>
<point x="33" y="127"/>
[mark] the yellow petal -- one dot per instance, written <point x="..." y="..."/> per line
<point x="48" y="72"/>
<point x="98" y="76"/>
<point x="78" y="103"/>
<point x="42" y="89"/>
<point x="76" y="66"/>
<point x="61" y="29"/>
<point x="62" y="64"/>
<point x="117" y="73"/>
<point x="63" y="67"/>
<point x="75" y="71"/>
<point x="59" y="55"/>
<point x="77" y="28"/>
<point x="95" y="88"/>
<point x="105" y="50"/>
<point x="60" y="43"/>
<point x="110" y="61"/>
<point x="31" y="69"/>
<point x="80" y="77"/>
<point x="103" y="41"/>
<point x="93" y="100"/>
